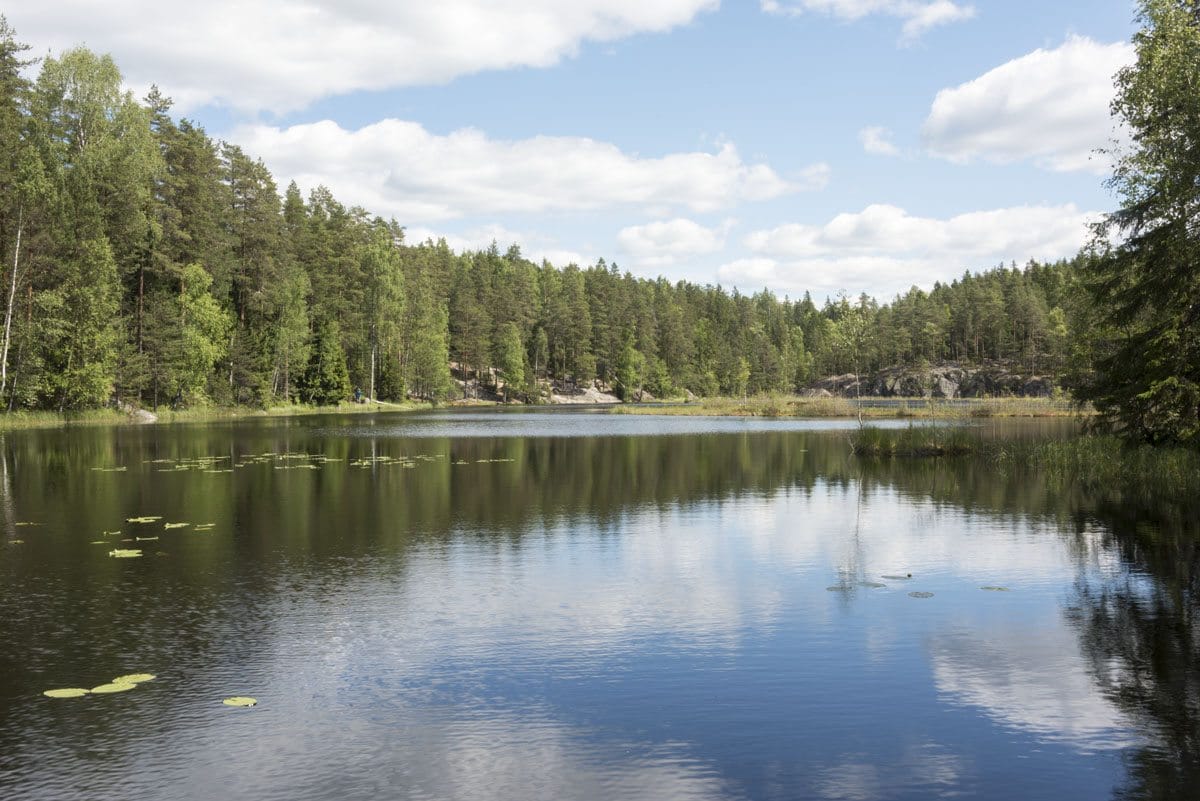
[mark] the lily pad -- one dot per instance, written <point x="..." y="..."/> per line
<point x="874" y="585"/>
<point x="240" y="700"/>
<point x="125" y="553"/>
<point x="995" y="589"/>
<point x="148" y="519"/>
<point x="920" y="595"/>
<point x="898" y="577"/>
<point x="114" y="687"/>
<point x="16" y="542"/>
<point x="134" y="678"/>
<point x="66" y="692"/>
<point x="175" y="525"/>
<point x="144" y="539"/>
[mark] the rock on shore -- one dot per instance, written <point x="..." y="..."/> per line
<point x="949" y="380"/>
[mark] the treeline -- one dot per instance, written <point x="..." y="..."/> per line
<point x="146" y="263"/>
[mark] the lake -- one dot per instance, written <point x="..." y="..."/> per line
<point x="580" y="605"/>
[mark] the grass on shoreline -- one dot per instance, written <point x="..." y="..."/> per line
<point x="22" y="420"/>
<point x="897" y="408"/>
<point x="914" y="441"/>
<point x="1089" y="462"/>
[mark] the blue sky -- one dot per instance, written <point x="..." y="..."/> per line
<point x="864" y="145"/>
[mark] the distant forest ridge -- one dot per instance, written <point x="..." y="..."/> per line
<point x="146" y="264"/>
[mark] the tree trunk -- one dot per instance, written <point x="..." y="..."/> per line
<point x="371" y="394"/>
<point x="8" y="313"/>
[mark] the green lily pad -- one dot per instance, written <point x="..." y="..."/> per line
<point x="240" y="700"/>
<point x="920" y="595"/>
<point x="134" y="678"/>
<point x="66" y="692"/>
<point x="114" y="687"/>
<point x="16" y="542"/>
<point x="148" y="519"/>
<point x="995" y="589"/>
<point x="175" y="525"/>
<point x="145" y="539"/>
<point x="125" y="553"/>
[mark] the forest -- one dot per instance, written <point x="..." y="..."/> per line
<point x="148" y="264"/>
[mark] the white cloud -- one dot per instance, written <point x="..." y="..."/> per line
<point x="669" y="241"/>
<point x="875" y="141"/>
<point x="884" y="249"/>
<point x="398" y="168"/>
<point x="1050" y="107"/>
<point x="282" y="55"/>
<point x="918" y="15"/>
<point x="534" y="246"/>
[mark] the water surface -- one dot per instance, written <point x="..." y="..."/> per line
<point x="581" y="605"/>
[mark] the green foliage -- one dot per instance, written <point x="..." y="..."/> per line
<point x="1145" y="276"/>
<point x="205" y="330"/>
<point x="383" y="296"/>
<point x="511" y="359"/>
<point x="326" y="382"/>
<point x="631" y="369"/>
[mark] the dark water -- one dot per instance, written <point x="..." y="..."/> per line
<point x="581" y="606"/>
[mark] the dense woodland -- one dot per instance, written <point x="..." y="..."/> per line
<point x="148" y="264"/>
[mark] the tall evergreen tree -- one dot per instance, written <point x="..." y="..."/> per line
<point x="1145" y="276"/>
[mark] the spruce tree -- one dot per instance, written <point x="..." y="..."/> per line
<point x="1145" y="274"/>
<point x="326" y="382"/>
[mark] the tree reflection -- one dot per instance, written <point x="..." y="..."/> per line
<point x="1138" y="631"/>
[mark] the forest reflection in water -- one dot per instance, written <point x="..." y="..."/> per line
<point x="503" y="584"/>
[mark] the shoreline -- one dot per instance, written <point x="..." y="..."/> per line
<point x="30" y="420"/>
<point x="763" y="406"/>
<point x="871" y="408"/>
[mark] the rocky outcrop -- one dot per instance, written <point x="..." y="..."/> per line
<point x="582" y="395"/>
<point x="949" y="380"/>
<point x="138" y="415"/>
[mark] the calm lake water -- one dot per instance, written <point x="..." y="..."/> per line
<point x="576" y="605"/>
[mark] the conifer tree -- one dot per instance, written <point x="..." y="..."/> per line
<point x="1145" y="275"/>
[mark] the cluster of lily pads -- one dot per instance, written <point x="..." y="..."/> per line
<point x="286" y="461"/>
<point x="896" y="577"/>
<point x="129" y="682"/>
<point x="203" y="464"/>
<point x="118" y="685"/>
<point x="133" y="553"/>
<point x="392" y="461"/>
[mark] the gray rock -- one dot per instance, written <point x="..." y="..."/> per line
<point x="946" y="380"/>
